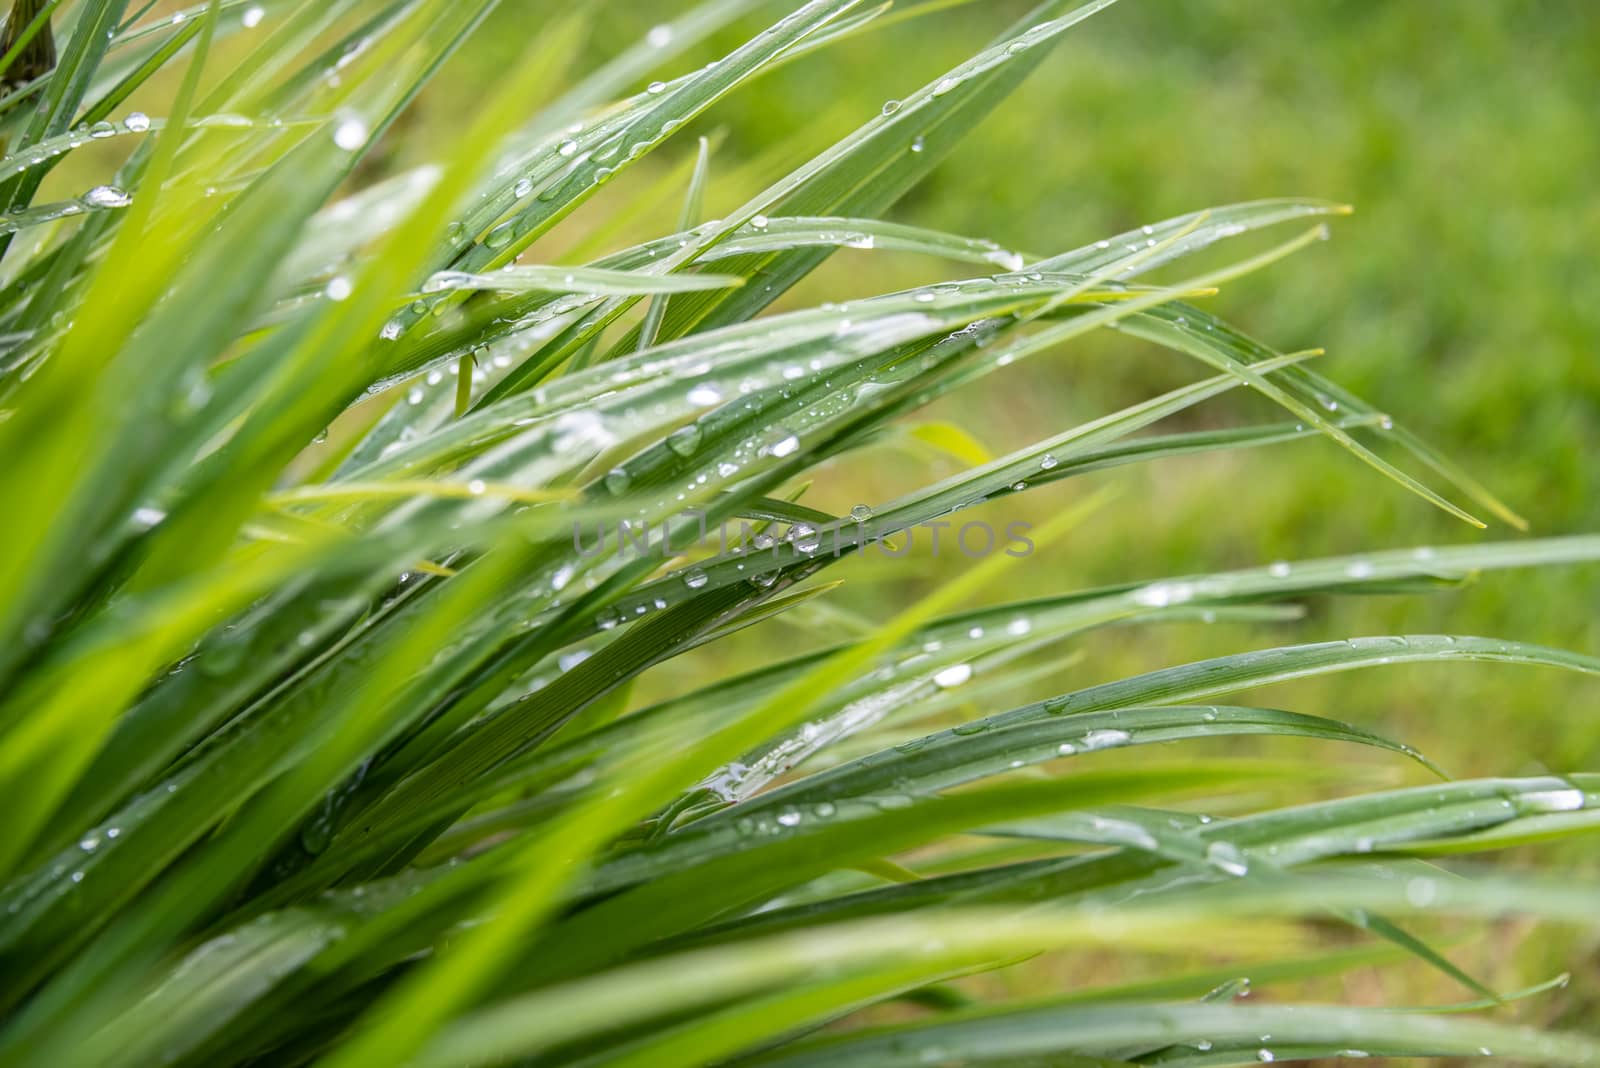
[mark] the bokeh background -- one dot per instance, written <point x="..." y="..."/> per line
<point x="1463" y="296"/>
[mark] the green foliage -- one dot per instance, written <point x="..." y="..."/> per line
<point x="319" y="739"/>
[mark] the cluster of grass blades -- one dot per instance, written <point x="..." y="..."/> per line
<point x="316" y="736"/>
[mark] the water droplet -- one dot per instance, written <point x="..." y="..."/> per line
<point x="339" y="288"/>
<point x="501" y="235"/>
<point x="1011" y="261"/>
<point x="1108" y="738"/>
<point x="704" y="395"/>
<point x="107" y="196"/>
<point x="655" y="87"/>
<point x="618" y="480"/>
<point x="350" y="134"/>
<point x="953" y="676"/>
<point x="253" y="16"/>
<point x="805" y="537"/>
<point x="766" y="579"/>
<point x="522" y="188"/>
<point x="861" y="513"/>
<point x="101" y="130"/>
<point x="1225" y="856"/>
<point x="919" y="144"/>
<point x="137" y="121"/>
<point x="1162" y="594"/>
<point x="695" y="579"/>
<point x="760" y="222"/>
<point x="146" y="518"/>
<point x="785" y="446"/>
<point x="891" y="106"/>
<point x="789" y="816"/>
<point x="1554" y="800"/>
<point x="659" y="36"/>
<point x="1280" y="569"/>
<point x="1265" y="1055"/>
<point x="1048" y="461"/>
<point x="89" y="842"/>
<point x="685" y="440"/>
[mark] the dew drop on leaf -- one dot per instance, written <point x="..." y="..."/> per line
<point x="1108" y="738"/>
<point x="107" y="196"/>
<point x="685" y="440"/>
<point x="350" y="134"/>
<point x="1225" y="856"/>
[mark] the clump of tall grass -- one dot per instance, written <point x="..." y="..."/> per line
<point x="316" y="739"/>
